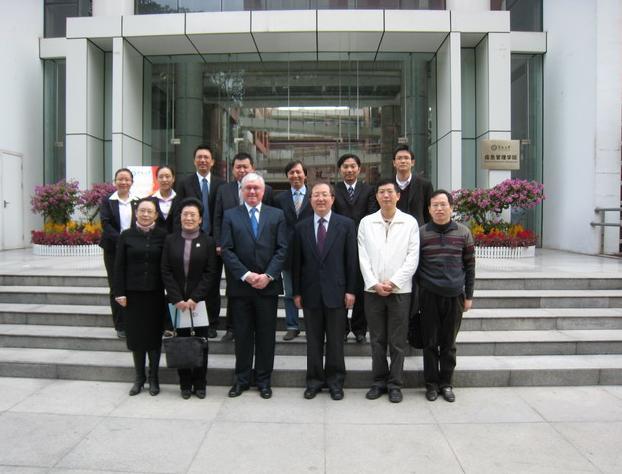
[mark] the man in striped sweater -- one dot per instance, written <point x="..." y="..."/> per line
<point x="446" y="278"/>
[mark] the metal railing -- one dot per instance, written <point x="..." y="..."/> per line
<point x="601" y="211"/>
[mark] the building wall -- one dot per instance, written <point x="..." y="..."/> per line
<point x="582" y="77"/>
<point x="21" y="94"/>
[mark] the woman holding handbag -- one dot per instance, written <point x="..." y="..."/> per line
<point x="189" y="268"/>
<point x="138" y="288"/>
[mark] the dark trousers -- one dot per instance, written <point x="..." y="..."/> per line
<point x="325" y="323"/>
<point x="358" y="323"/>
<point x="440" y="322"/>
<point x="118" y="312"/>
<point x="212" y="302"/>
<point x="194" y="378"/>
<point x="254" y="319"/>
<point x="387" y="318"/>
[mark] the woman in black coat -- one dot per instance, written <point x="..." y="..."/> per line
<point x="138" y="288"/>
<point x="189" y="268"/>
<point x="117" y="214"/>
<point x="165" y="197"/>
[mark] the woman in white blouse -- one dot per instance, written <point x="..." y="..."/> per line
<point x="117" y="214"/>
<point x="164" y="197"/>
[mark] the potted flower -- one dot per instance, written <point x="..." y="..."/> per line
<point x="481" y="209"/>
<point x="62" y="235"/>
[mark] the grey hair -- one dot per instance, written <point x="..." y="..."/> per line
<point x="253" y="177"/>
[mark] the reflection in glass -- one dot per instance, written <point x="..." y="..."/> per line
<point x="53" y="120"/>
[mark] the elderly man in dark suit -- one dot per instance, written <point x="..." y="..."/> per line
<point x="253" y="247"/>
<point x="324" y="271"/>
<point x="415" y="191"/>
<point x="228" y="197"/>
<point x="354" y="199"/>
<point x="295" y="205"/>
<point x="203" y="185"/>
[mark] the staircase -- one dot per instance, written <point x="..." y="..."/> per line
<point x="524" y="330"/>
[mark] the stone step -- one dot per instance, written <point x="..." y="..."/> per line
<point x="470" y="343"/>
<point x="502" y="281"/>
<point x="483" y="298"/>
<point x="472" y="371"/>
<point x="477" y="319"/>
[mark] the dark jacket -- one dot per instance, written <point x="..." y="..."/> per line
<point x="242" y="252"/>
<point x="323" y="280"/>
<point x="137" y="261"/>
<point x="285" y="202"/>
<point x="363" y="203"/>
<point x="189" y="187"/>
<point x="418" y="199"/>
<point x="166" y="224"/>
<point x="202" y="271"/>
<point x="111" y="223"/>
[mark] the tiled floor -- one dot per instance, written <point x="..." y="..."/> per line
<point x="75" y="426"/>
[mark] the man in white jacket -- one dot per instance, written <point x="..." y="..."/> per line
<point x="388" y="243"/>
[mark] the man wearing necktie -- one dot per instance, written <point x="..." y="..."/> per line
<point x="295" y="205"/>
<point x="253" y="247"/>
<point x="354" y="199"/>
<point x="203" y="185"/>
<point x="324" y="281"/>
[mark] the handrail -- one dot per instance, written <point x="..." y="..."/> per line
<point x="602" y="224"/>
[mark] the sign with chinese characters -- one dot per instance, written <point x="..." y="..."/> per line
<point x="500" y="154"/>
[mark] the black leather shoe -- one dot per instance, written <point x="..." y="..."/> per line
<point x="431" y="394"/>
<point x="200" y="393"/>
<point x="237" y="390"/>
<point x="154" y="387"/>
<point x="375" y="392"/>
<point x="311" y="392"/>
<point x="291" y="334"/>
<point x="121" y="334"/>
<point x="228" y="337"/>
<point x="395" y="395"/>
<point x="185" y="394"/>
<point x="448" y="394"/>
<point x="265" y="392"/>
<point x="360" y="338"/>
<point x="212" y="333"/>
<point x="136" y="388"/>
<point x="336" y="394"/>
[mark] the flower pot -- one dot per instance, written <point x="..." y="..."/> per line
<point x="67" y="250"/>
<point x="505" y="252"/>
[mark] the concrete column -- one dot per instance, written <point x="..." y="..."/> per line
<point x="188" y="113"/>
<point x="449" y="114"/>
<point x="127" y="105"/>
<point x="85" y="112"/>
<point x="493" y="98"/>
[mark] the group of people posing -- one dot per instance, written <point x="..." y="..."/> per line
<point x="387" y="253"/>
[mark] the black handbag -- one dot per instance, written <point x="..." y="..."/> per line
<point x="415" y="336"/>
<point x="184" y="352"/>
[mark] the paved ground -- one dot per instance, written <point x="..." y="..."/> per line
<point x="75" y="426"/>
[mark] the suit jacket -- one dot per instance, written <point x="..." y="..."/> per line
<point x="242" y="252"/>
<point x="111" y="223"/>
<point x="202" y="270"/>
<point x="285" y="202"/>
<point x="168" y="223"/>
<point x="137" y="261"/>
<point x="228" y="198"/>
<point x="325" y="279"/>
<point x="363" y="203"/>
<point x="418" y="198"/>
<point x="189" y="187"/>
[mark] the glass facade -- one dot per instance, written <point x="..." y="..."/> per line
<point x="182" y="6"/>
<point x="53" y="120"/>
<point x="284" y="108"/>
<point x="525" y="15"/>
<point x="527" y="127"/>
<point x="56" y="13"/>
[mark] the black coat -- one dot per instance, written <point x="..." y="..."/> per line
<point x="189" y="187"/>
<point x="166" y="224"/>
<point x="202" y="271"/>
<point x="137" y="261"/>
<point x="285" y="202"/>
<point x="418" y="199"/>
<point x="363" y="203"/>
<point x="242" y="252"/>
<point x="228" y="198"/>
<point x="111" y="223"/>
<point x="323" y="280"/>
